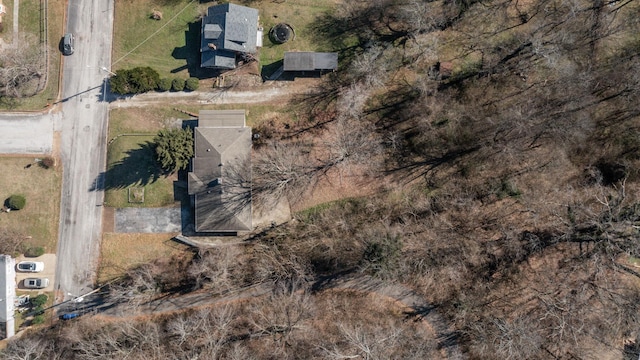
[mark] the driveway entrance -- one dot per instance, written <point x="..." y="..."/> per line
<point x="148" y="220"/>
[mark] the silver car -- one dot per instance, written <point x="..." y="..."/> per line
<point x="36" y="283"/>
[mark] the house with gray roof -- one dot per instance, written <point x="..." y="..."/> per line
<point x="228" y="30"/>
<point x="220" y="180"/>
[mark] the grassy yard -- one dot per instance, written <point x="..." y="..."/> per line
<point x="29" y="23"/>
<point x="131" y="160"/>
<point x="171" y="45"/>
<point x="7" y="22"/>
<point x="38" y="221"/>
<point x="300" y="14"/>
<point x="120" y="252"/>
<point x="131" y="164"/>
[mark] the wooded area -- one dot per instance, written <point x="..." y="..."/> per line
<point x="503" y="139"/>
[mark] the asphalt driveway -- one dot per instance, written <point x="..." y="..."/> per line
<point x="148" y="220"/>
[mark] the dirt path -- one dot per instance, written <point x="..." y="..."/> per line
<point x="188" y="301"/>
<point x="268" y="92"/>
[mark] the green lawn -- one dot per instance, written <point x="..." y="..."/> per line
<point x="300" y="14"/>
<point x="130" y="158"/>
<point x="38" y="221"/>
<point x="7" y="22"/>
<point x="171" y="45"/>
<point x="131" y="164"/>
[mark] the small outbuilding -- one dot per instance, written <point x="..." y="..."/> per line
<point x="310" y="61"/>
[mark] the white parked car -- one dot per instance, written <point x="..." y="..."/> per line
<point x="36" y="283"/>
<point x="30" y="266"/>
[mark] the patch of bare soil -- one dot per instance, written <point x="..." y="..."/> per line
<point x="338" y="184"/>
<point x="108" y="219"/>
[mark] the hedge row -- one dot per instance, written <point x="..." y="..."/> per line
<point x="143" y="79"/>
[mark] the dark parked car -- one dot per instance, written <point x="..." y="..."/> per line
<point x="68" y="44"/>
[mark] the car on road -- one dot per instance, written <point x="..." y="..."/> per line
<point x="36" y="283"/>
<point x="68" y="44"/>
<point x="30" y="266"/>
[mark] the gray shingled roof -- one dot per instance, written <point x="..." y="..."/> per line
<point x="227" y="29"/>
<point x="310" y="61"/>
<point x="221" y="178"/>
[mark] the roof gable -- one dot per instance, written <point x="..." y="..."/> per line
<point x="227" y="27"/>
<point x="220" y="180"/>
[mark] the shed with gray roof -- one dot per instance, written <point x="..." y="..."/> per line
<point x="310" y="61"/>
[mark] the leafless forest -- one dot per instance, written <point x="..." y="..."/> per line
<point x="503" y="142"/>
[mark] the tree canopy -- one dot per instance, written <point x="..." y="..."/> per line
<point x="134" y="81"/>
<point x="174" y="148"/>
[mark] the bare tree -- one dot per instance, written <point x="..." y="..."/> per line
<point x="20" y="67"/>
<point x="215" y="268"/>
<point x="25" y="348"/>
<point x="11" y="241"/>
<point x="282" y="169"/>
<point x="282" y="312"/>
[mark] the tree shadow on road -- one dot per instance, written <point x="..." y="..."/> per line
<point x="137" y="167"/>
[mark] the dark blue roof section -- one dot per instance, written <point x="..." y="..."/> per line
<point x="227" y="28"/>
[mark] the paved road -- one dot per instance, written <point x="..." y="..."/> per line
<point x="83" y="144"/>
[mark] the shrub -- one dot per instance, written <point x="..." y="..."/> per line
<point x="192" y="84"/>
<point x="34" y="251"/>
<point x="47" y="162"/>
<point x="381" y="255"/>
<point x="134" y="81"/>
<point x="38" y="319"/>
<point x="178" y="84"/>
<point x="39" y="300"/>
<point x="164" y="84"/>
<point x="16" y="202"/>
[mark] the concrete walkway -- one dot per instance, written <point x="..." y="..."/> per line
<point x="148" y="220"/>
